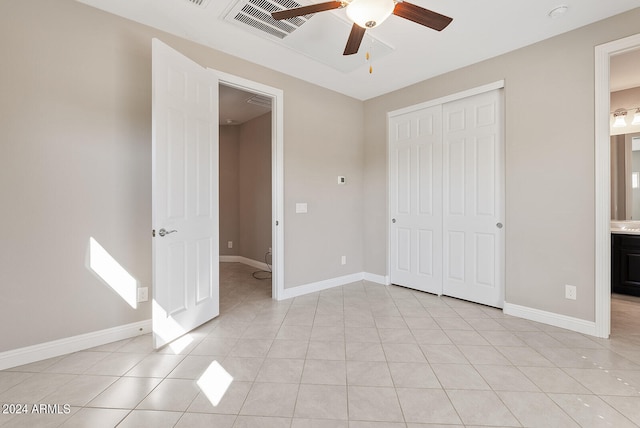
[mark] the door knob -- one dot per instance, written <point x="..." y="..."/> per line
<point x="499" y="225"/>
<point x="393" y="220"/>
<point x="163" y="231"/>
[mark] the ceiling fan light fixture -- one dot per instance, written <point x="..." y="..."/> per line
<point x="369" y="13"/>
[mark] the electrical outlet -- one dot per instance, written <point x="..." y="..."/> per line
<point x="230" y="244"/>
<point x="344" y="260"/>
<point x="570" y="292"/>
<point x="143" y="294"/>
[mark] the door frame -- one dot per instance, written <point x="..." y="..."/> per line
<point x="603" y="53"/>
<point x="277" y="171"/>
<point x="430" y="103"/>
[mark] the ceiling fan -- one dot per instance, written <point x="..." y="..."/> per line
<point x="368" y="14"/>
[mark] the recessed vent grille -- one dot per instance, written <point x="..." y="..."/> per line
<point x="257" y="14"/>
<point x="322" y="39"/>
<point x="260" y="100"/>
<point x="200" y="3"/>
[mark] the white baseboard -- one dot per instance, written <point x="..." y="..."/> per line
<point x="557" y="320"/>
<point x="244" y="260"/>
<point x="55" y="348"/>
<point x="378" y="279"/>
<point x="313" y="287"/>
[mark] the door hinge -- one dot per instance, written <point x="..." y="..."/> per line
<point x="153" y="233"/>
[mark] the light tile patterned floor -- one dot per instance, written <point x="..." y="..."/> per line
<point x="358" y="356"/>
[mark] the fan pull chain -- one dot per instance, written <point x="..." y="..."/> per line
<point x="368" y="56"/>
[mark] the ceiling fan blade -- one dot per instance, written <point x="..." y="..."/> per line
<point x="355" y="38"/>
<point x="307" y="10"/>
<point x="422" y="16"/>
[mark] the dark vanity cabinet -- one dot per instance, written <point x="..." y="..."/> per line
<point x="625" y="264"/>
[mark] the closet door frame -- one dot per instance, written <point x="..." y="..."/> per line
<point x="412" y="109"/>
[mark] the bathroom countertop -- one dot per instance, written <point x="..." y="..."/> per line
<point x="621" y="231"/>
<point x="625" y="227"/>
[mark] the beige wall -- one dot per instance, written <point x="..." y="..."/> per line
<point x="549" y="163"/>
<point x="229" y="189"/>
<point x="75" y="130"/>
<point x="75" y="118"/>
<point x="254" y="182"/>
<point x="245" y="188"/>
<point x="618" y="169"/>
<point x="627" y="99"/>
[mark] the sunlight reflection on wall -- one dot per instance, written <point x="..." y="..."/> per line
<point x="112" y="273"/>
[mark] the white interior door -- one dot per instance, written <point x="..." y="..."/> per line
<point x="415" y="172"/>
<point x="473" y="241"/>
<point x="185" y="195"/>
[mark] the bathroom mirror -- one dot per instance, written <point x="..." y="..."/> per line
<point x="625" y="176"/>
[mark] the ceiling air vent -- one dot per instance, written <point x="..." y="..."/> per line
<point x="260" y="100"/>
<point x="200" y="3"/>
<point x="257" y="15"/>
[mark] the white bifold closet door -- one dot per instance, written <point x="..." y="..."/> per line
<point x="447" y="199"/>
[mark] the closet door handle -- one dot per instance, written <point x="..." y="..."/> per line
<point x="393" y="220"/>
<point x="499" y="225"/>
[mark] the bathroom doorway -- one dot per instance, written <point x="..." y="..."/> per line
<point x="609" y="75"/>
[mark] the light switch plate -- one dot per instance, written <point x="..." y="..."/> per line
<point x="301" y="207"/>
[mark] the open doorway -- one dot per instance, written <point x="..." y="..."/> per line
<point x="624" y="87"/>
<point x="603" y="120"/>
<point x="245" y="179"/>
<point x="245" y="122"/>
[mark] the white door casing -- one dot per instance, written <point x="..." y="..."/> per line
<point x="415" y="152"/>
<point x="185" y="194"/>
<point x="473" y="207"/>
<point x="465" y="173"/>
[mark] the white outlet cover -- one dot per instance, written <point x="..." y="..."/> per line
<point x="143" y="294"/>
<point x="570" y="292"/>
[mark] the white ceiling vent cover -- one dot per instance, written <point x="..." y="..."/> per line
<point x="260" y="100"/>
<point x="256" y="14"/>
<point x="199" y="3"/>
<point x="322" y="39"/>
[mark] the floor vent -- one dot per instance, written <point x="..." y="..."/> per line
<point x="257" y="15"/>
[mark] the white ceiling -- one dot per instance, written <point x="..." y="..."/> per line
<point x="235" y="108"/>
<point x="480" y="30"/>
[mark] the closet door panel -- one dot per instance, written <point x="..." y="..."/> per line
<point x="415" y="186"/>
<point x="473" y="199"/>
